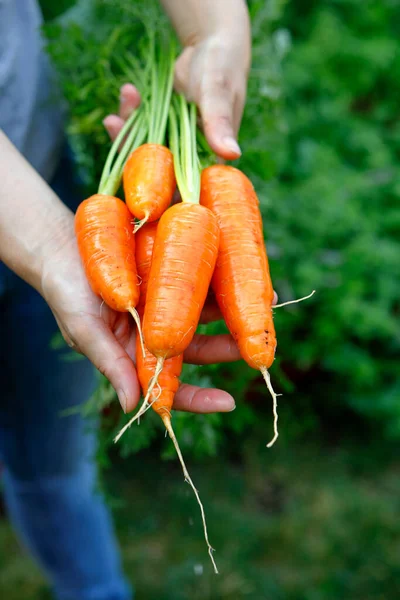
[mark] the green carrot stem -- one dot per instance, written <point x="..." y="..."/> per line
<point x="114" y="148"/>
<point x="162" y="78"/>
<point x="183" y="146"/>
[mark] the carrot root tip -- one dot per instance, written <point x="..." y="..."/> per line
<point x="168" y="426"/>
<point x="294" y="301"/>
<point x="267" y="380"/>
<point x="144" y="408"/>
<point x="146" y="404"/>
<point x="136" y="318"/>
<point x="140" y="223"/>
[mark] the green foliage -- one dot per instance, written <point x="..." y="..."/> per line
<point x="321" y="141"/>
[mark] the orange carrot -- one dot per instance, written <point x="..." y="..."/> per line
<point x="241" y="281"/>
<point x="168" y="381"/>
<point x="149" y="182"/>
<point x="103" y="227"/>
<point x="144" y="245"/>
<point x="104" y="231"/>
<point x="184" y="257"/>
<point x="149" y="178"/>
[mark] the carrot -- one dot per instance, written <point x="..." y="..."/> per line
<point x="145" y="239"/>
<point x="148" y="177"/>
<point x="104" y="232"/>
<point x="168" y="381"/>
<point x="241" y="280"/>
<point x="149" y="182"/>
<point x="146" y="363"/>
<point x="184" y="255"/>
<point x="103" y="227"/>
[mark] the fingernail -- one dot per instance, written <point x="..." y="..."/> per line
<point x="122" y="399"/>
<point x="232" y="145"/>
<point x="122" y="99"/>
<point x="232" y="409"/>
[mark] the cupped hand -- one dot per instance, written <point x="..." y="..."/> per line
<point x="107" y="337"/>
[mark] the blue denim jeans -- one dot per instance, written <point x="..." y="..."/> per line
<point x="49" y="471"/>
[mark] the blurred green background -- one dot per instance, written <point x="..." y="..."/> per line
<point x="317" y="516"/>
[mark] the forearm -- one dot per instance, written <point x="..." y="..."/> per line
<point x="33" y="220"/>
<point x="193" y="20"/>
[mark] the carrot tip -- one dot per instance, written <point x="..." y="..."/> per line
<point x="144" y="408"/>
<point x="267" y="379"/>
<point x="140" y="223"/>
<point x="168" y="426"/>
<point x="136" y="318"/>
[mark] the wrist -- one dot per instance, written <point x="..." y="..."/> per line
<point x="196" y="20"/>
<point x="34" y="223"/>
<point x="60" y="241"/>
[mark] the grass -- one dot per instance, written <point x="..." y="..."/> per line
<point x="294" y="524"/>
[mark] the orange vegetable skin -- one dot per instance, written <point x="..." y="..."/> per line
<point x="168" y="380"/>
<point x="144" y="244"/>
<point x="104" y="231"/>
<point x="184" y="257"/>
<point x="241" y="281"/>
<point x="149" y="181"/>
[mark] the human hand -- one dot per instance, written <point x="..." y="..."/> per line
<point x="107" y="337"/>
<point x="213" y="68"/>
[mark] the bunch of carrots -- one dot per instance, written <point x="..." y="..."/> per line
<point x="157" y="261"/>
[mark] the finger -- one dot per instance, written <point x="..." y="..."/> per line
<point x="238" y="108"/>
<point x="113" y="125"/>
<point x="275" y="300"/>
<point x="211" y="349"/>
<point x="216" y="106"/>
<point x="176" y="198"/>
<point x="190" y="398"/>
<point x="129" y="100"/>
<point x="97" y="342"/>
<point x="182" y="73"/>
<point x="210" y="312"/>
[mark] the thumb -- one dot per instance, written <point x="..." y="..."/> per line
<point x="216" y="105"/>
<point x="96" y="341"/>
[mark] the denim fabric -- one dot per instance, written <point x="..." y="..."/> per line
<point x="31" y="106"/>
<point x="49" y="471"/>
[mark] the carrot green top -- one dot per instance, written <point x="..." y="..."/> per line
<point x="162" y="60"/>
<point x="182" y="132"/>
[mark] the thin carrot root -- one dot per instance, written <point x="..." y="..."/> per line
<point x="146" y="404"/>
<point x="267" y="379"/>
<point x="142" y="222"/>
<point x="167" y="422"/>
<point x="136" y="318"/>
<point x="154" y="379"/>
<point x="294" y="301"/>
<point x="144" y="408"/>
